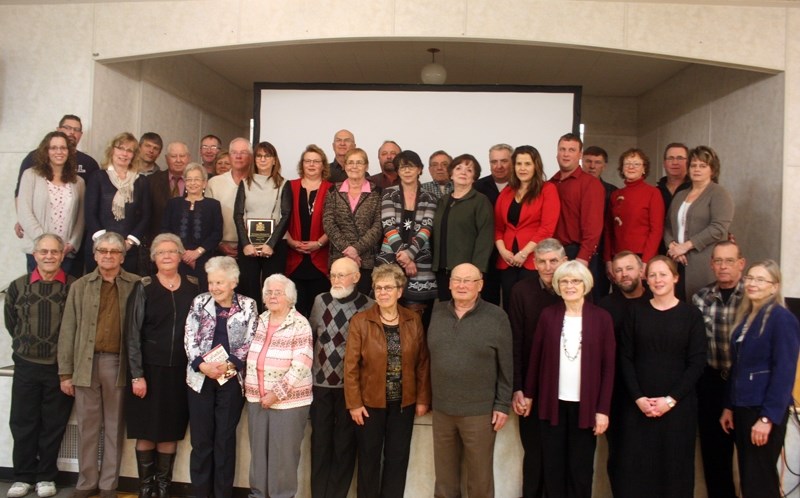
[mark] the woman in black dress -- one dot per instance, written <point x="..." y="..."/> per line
<point x="156" y="406"/>
<point x="197" y="220"/>
<point x="663" y="353"/>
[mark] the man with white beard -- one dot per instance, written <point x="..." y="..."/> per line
<point x="333" y="438"/>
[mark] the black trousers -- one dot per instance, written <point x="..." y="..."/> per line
<point x="333" y="444"/>
<point x="307" y="290"/>
<point x="492" y="283"/>
<point x="758" y="464"/>
<point x="569" y="456"/>
<point x="716" y="446"/>
<point x="386" y="431"/>
<point x="214" y="413"/>
<point x="530" y="435"/>
<point x="38" y="419"/>
<point x="508" y="278"/>
<point x="255" y="269"/>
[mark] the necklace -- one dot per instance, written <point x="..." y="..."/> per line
<point x="386" y="318"/>
<point x="172" y="284"/>
<point x="574" y="356"/>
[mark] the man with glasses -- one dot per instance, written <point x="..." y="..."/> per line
<point x="333" y="439"/>
<point x="440" y="184"/>
<point x="529" y="297"/>
<point x="718" y="302"/>
<point x="209" y="148"/>
<point x="470" y="347"/>
<point x="224" y="187"/>
<point x="39" y="410"/>
<point x="92" y="363"/>
<point x="343" y="142"/>
<point x="71" y="126"/>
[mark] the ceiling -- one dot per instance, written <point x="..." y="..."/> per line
<point x="468" y="63"/>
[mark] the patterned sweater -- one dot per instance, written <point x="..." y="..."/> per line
<point x="330" y="323"/>
<point x="285" y="366"/>
<point x="33" y="317"/>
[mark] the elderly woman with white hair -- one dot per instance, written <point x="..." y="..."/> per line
<point x="278" y="390"/>
<point x="219" y="329"/>
<point x="571" y="377"/>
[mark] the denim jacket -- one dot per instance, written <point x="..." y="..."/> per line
<point x="200" y="325"/>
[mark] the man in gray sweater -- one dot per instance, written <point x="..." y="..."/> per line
<point x="471" y="376"/>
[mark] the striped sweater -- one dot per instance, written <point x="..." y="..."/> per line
<point x="285" y="366"/>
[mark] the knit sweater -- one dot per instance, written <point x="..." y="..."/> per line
<point x="330" y="323"/>
<point x="285" y="367"/>
<point x="471" y="360"/>
<point x="33" y="314"/>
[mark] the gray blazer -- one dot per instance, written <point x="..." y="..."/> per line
<point x="707" y="222"/>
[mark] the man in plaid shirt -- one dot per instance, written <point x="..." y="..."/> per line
<point x="718" y="302"/>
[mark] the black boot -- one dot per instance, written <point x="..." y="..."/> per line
<point x="164" y="474"/>
<point x="146" y="462"/>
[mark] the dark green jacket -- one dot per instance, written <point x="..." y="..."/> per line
<point x="470" y="231"/>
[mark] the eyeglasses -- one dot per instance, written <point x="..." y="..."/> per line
<point x="73" y="129"/>
<point x="45" y="252"/>
<point x="674" y="158"/>
<point x="408" y="166"/>
<point x="312" y="161"/>
<point x="106" y="252"/>
<point x="124" y="149"/>
<point x="58" y="148"/>
<point x="355" y="163"/>
<point x="193" y="180"/>
<point x="339" y="276"/>
<point x="274" y="293"/>
<point x="757" y="280"/>
<point x="263" y="156"/>
<point x="726" y="261"/>
<point x="209" y="147"/>
<point x="342" y="140"/>
<point x="459" y="280"/>
<point x="385" y="288"/>
<point x="239" y="152"/>
<point x="571" y="282"/>
<point x="165" y="252"/>
<point x="633" y="165"/>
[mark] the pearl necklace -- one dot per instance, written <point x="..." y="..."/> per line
<point x="570" y="357"/>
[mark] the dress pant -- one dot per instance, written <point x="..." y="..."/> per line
<point x="386" y="433"/>
<point x="569" y="459"/>
<point x="255" y="269"/>
<point x="38" y="419"/>
<point x="100" y="404"/>
<point x="508" y="278"/>
<point x="492" y="283"/>
<point x="333" y="444"/>
<point x="530" y="435"/>
<point x="307" y="290"/>
<point x="758" y="464"/>
<point x="471" y="438"/>
<point x="275" y="438"/>
<point x="716" y="446"/>
<point x="214" y="413"/>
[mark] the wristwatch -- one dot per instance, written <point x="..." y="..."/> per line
<point x="764" y="420"/>
<point x="670" y="401"/>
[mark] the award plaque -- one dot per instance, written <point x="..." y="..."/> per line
<point x="259" y="230"/>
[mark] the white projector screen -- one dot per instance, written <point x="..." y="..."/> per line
<point x="457" y="119"/>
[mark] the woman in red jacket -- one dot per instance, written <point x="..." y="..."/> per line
<point x="307" y="259"/>
<point x="636" y="216"/>
<point x="525" y="213"/>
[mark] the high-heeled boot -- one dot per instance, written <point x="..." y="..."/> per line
<point x="164" y="466"/>
<point x="146" y="463"/>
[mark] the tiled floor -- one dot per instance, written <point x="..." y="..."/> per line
<point x="62" y="492"/>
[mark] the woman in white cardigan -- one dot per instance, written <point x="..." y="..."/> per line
<point x="51" y="199"/>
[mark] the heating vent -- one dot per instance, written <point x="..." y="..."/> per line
<point x="68" y="453"/>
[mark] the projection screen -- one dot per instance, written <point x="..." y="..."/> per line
<point x="457" y="119"/>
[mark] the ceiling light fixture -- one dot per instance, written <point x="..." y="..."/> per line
<point x="433" y="73"/>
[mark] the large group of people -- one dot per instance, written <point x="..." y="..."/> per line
<point x="362" y="301"/>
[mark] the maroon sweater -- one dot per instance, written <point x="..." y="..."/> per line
<point x="597" y="364"/>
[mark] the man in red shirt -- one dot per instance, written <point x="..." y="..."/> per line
<point x="580" y="225"/>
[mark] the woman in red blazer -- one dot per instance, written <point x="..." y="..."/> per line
<point x="570" y="378"/>
<point x="525" y="213"/>
<point x="307" y="258"/>
<point x="636" y="216"/>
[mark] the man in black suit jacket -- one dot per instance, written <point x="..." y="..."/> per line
<point x="165" y="185"/>
<point x="490" y="186"/>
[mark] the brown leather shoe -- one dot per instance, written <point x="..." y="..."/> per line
<point x="108" y="493"/>
<point x="83" y="493"/>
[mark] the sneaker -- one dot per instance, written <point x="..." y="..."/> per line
<point x="19" y="489"/>
<point x="45" y="489"/>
